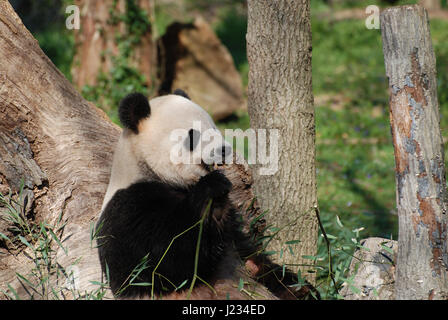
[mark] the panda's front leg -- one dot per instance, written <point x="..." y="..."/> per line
<point x="213" y="186"/>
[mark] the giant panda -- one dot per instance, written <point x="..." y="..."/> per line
<point x="154" y="210"/>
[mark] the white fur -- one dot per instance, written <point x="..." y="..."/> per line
<point x="152" y="144"/>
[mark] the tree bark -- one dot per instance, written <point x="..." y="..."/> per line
<point x="69" y="142"/>
<point x="422" y="261"/>
<point x="62" y="146"/>
<point x="280" y="97"/>
<point x="96" y="45"/>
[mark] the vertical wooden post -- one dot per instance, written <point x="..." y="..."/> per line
<point x="422" y="261"/>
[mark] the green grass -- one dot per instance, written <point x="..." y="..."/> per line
<point x="355" y="180"/>
<point x="39" y="242"/>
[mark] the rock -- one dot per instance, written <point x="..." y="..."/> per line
<point x="373" y="270"/>
<point x="193" y="59"/>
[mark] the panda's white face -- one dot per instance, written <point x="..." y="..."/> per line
<point x="146" y="146"/>
<point x="177" y="125"/>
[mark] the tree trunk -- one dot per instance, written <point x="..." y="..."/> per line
<point x="280" y="97"/>
<point x="62" y="146"/>
<point x="422" y="262"/>
<point x="68" y="142"/>
<point x="96" y="43"/>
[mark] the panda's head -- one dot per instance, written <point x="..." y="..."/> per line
<point x="169" y="138"/>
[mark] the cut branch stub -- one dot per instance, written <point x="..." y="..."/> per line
<point x="419" y="157"/>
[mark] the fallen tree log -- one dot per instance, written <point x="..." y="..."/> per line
<point x="61" y="146"/>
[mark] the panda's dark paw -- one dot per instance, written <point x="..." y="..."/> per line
<point x="215" y="185"/>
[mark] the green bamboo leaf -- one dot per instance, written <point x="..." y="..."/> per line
<point x="354" y="289"/>
<point x="141" y="284"/>
<point x="55" y="294"/>
<point x="181" y="285"/>
<point x="14" y="292"/>
<point x="25" y="242"/>
<point x="4" y="237"/>
<point x="55" y="238"/>
<point x="338" y="221"/>
<point x="363" y="248"/>
<point x="389" y="250"/>
<point x="24" y="279"/>
<point x="240" y="284"/>
<point x="258" y="217"/>
<point x="292" y="242"/>
<point x="290" y="250"/>
<point x="309" y="257"/>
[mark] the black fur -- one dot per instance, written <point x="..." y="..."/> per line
<point x="192" y="140"/>
<point x="182" y="93"/>
<point x="143" y="219"/>
<point x="133" y="108"/>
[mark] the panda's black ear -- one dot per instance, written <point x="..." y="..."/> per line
<point x="182" y="93"/>
<point x="133" y="108"/>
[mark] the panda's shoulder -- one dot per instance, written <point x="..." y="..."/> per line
<point x="145" y="187"/>
<point x="148" y="194"/>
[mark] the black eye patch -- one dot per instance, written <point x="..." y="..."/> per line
<point x="192" y="140"/>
